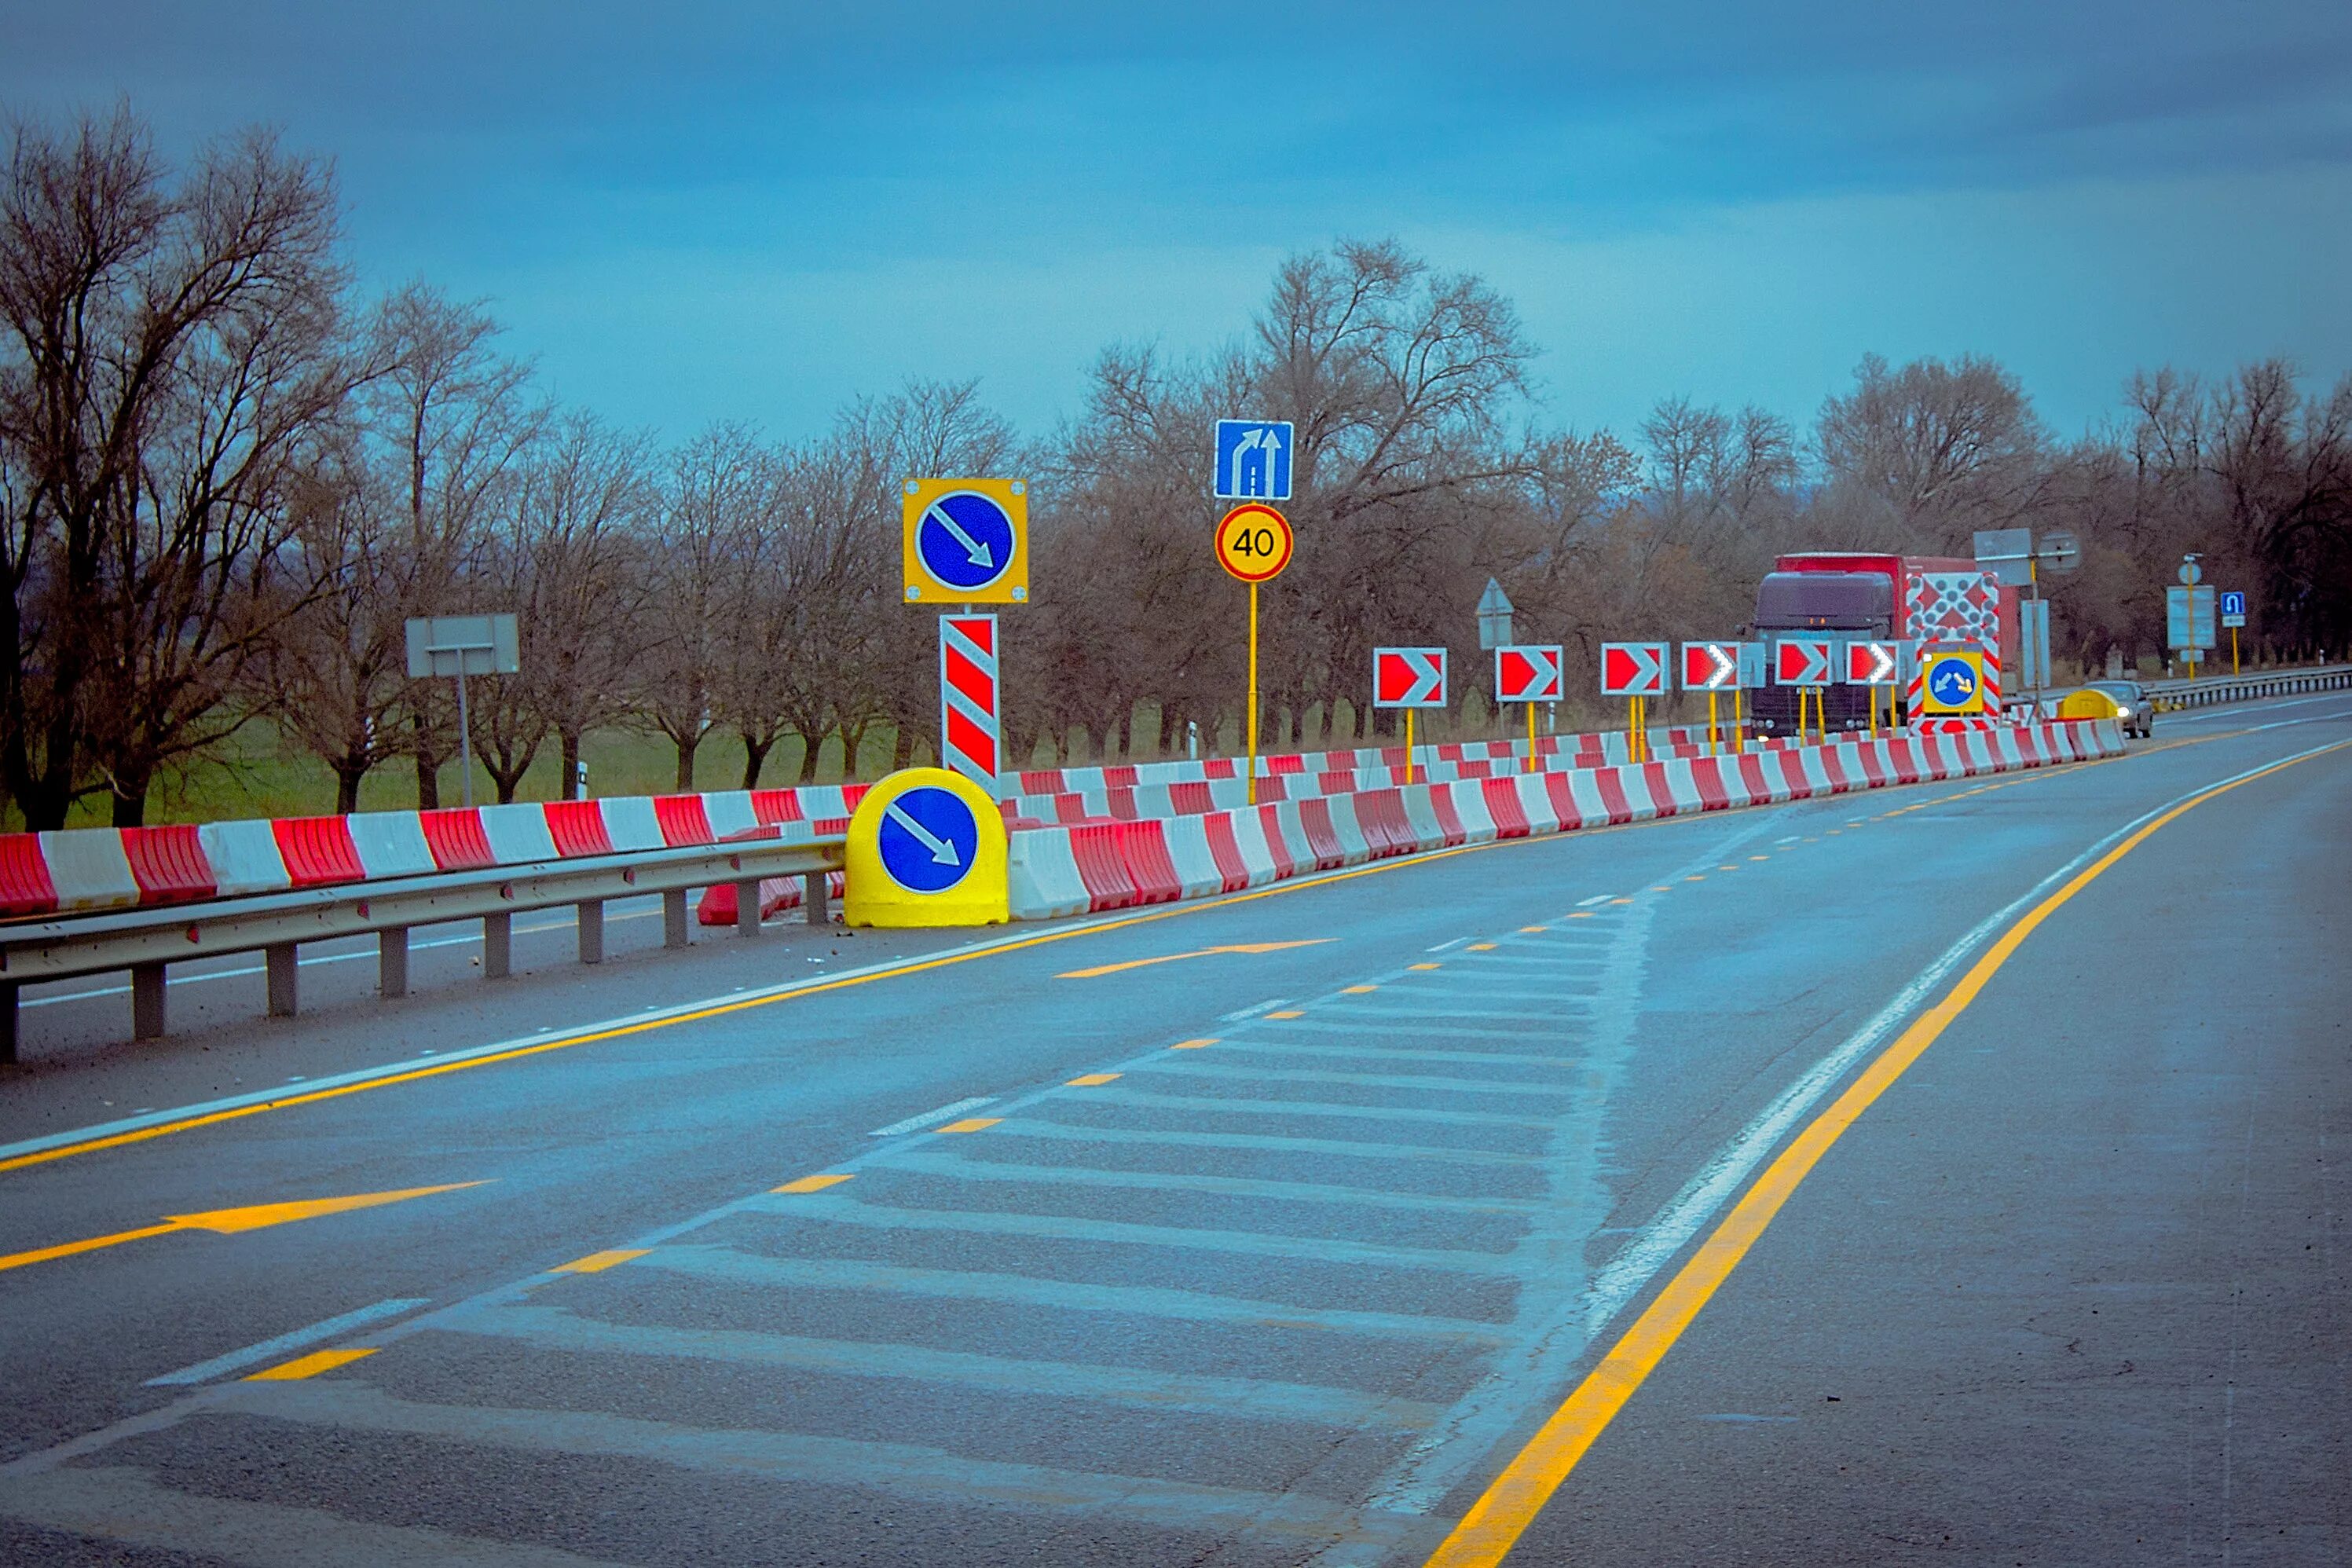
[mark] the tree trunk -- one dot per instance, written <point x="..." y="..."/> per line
<point x="809" y="748"/>
<point x="348" y="774"/>
<point x="429" y="782"/>
<point x="902" y="749"/>
<point x="686" y="746"/>
<point x="853" y="742"/>
<point x="568" y="787"/>
<point x="130" y="800"/>
<point x="755" y="757"/>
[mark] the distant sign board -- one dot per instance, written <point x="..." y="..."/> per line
<point x="2188" y="617"/>
<point x="463" y="645"/>
<point x="1634" y="669"/>
<point x="2007" y="554"/>
<point x="1254" y="459"/>
<point x="1804" y="661"/>
<point x="2233" y="608"/>
<point x="1408" y="677"/>
<point x="1528" y="672"/>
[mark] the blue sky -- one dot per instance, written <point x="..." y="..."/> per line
<point x="756" y="212"/>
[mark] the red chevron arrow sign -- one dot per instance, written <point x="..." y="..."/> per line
<point x="1633" y="668"/>
<point x="1408" y="677"/>
<point x="1804" y="661"/>
<point x="1528" y="672"/>
<point x="1710" y="666"/>
<point x="1874" y="664"/>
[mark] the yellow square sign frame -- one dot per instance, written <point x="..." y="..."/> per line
<point x="1975" y="659"/>
<point x="920" y="586"/>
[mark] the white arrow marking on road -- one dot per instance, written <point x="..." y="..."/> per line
<point x="980" y="553"/>
<point x="1248" y="441"/>
<point x="944" y="852"/>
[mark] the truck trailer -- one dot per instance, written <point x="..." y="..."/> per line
<point x="1936" y="602"/>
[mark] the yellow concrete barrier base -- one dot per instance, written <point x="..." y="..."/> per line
<point x="926" y="848"/>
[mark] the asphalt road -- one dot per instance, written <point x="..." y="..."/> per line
<point x="1265" y="1231"/>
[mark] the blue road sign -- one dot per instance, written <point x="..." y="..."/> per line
<point x="965" y="540"/>
<point x="928" y="841"/>
<point x="1951" y="681"/>
<point x="1253" y="460"/>
<point x="2233" y="603"/>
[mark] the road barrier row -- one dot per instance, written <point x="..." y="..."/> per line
<point x="2215" y="689"/>
<point x="1104" y="865"/>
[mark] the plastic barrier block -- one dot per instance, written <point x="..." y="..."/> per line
<point x="1283" y="764"/>
<point x="243" y="857"/>
<point x="318" y="850"/>
<point x="1277" y="848"/>
<point x="1348" y="827"/>
<point x="517" y="833"/>
<point x="1041" y="781"/>
<point x="630" y="823"/>
<point x="729" y="812"/>
<point x="576" y="828"/>
<point x="1568" y="812"/>
<point x="25" y="885"/>
<point x="1469" y="800"/>
<point x="455" y="840"/>
<point x="1192" y="799"/>
<point x="1791" y="770"/>
<point x="1833" y="768"/>
<point x="1143" y="848"/>
<point x="1867" y="761"/>
<point x="1610" y="782"/>
<point x="1101" y="867"/>
<point x="392" y="844"/>
<point x="88" y="869"/>
<point x="1119" y="778"/>
<point x="168" y="863"/>
<point x="1450" y="829"/>
<point x="1273" y="787"/>
<point x="1502" y="798"/>
<point x="1421" y="818"/>
<point x="1707" y="778"/>
<point x="1249" y="838"/>
<point x="1404" y="837"/>
<point x="1155" y="801"/>
<point x="1041" y="877"/>
<point x="1121" y="804"/>
<point x="1659" y="785"/>
<point x="777" y="805"/>
<point x="1901" y="760"/>
<point x="851" y="795"/>
<point x="1198" y="872"/>
<point x="1322" y="841"/>
<point x="1232" y="866"/>
<point x="682" y="821"/>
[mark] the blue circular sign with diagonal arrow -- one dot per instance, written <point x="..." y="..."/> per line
<point x="928" y="840"/>
<point x="966" y="540"/>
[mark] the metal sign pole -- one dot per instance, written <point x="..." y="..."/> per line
<point x="1252" y="795"/>
<point x="465" y="735"/>
<point x="1408" y="745"/>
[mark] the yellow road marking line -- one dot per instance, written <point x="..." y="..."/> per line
<point x="1581" y="915"/>
<point x="720" y="1009"/>
<point x="597" y="1262"/>
<point x="972" y="1125"/>
<point x="1697" y="878"/>
<point x="1243" y="947"/>
<point x="1089" y="1080"/>
<point x="230" y="1222"/>
<point x="1357" y="990"/>
<point x="1422" y="966"/>
<point x="1510" y="1503"/>
<point x="310" y="1365"/>
<point x="1480" y="947"/>
<point x="1534" y="928"/>
<point x="1290" y="1013"/>
<point x="1192" y="1045"/>
<point x="814" y="1184"/>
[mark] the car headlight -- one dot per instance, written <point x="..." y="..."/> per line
<point x="2122" y="710"/>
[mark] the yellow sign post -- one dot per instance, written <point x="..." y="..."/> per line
<point x="1253" y="544"/>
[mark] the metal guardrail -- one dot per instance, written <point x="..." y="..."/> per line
<point x="2210" y="690"/>
<point x="145" y="941"/>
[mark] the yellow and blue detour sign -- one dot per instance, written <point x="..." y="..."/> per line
<point x="926" y="848"/>
<point x="1952" y="682"/>
<point x="966" y="542"/>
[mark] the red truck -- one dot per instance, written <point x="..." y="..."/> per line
<point x="1937" y="602"/>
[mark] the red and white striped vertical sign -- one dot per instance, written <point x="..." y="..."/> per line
<point x="969" y="718"/>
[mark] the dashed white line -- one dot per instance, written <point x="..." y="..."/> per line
<point x="933" y="1118"/>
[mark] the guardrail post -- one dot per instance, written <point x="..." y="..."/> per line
<point x="147" y="1001"/>
<point x="816" y="893"/>
<point x="284" y="988"/>
<point x="592" y="932"/>
<point x="498" y="945"/>
<point x="392" y="961"/>
<point x="747" y="908"/>
<point x="674" y="918"/>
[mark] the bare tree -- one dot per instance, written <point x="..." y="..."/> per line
<point x="171" y="353"/>
<point x="721" y="484"/>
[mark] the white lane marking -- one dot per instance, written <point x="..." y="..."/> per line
<point x="1442" y="946"/>
<point x="234" y="1360"/>
<point x="1265" y="1007"/>
<point x="1595" y="898"/>
<point x="933" y="1118"/>
<point x="321" y="958"/>
<point x="2237" y="710"/>
<point x="1792" y="838"/>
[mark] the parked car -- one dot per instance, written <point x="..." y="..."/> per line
<point x="2133" y="706"/>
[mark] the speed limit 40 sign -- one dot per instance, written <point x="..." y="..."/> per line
<point x="1254" y="542"/>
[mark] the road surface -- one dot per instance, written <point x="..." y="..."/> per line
<point x="1289" y="1228"/>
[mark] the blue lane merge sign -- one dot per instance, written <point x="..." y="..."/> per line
<point x="965" y="540"/>
<point x="928" y="841"/>
<point x="1253" y="460"/>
